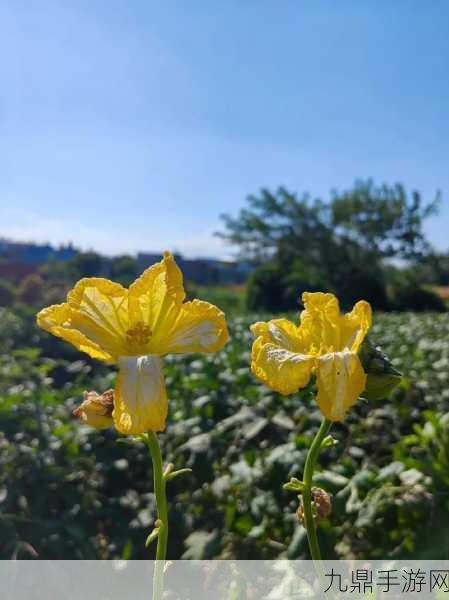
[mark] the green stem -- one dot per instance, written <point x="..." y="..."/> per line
<point x="307" y="491"/>
<point x="162" y="514"/>
<point x="159" y="490"/>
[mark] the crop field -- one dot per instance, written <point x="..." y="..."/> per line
<point x="67" y="491"/>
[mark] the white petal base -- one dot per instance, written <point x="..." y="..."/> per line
<point x="140" y="403"/>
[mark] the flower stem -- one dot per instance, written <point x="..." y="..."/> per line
<point x="307" y="491"/>
<point x="162" y="514"/>
<point x="161" y="499"/>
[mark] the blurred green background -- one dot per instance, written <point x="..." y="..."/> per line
<point x="67" y="491"/>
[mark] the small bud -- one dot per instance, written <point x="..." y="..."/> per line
<point x="153" y="535"/>
<point x="322" y="503"/>
<point x="321" y="506"/>
<point x="172" y="474"/>
<point x="96" y="409"/>
<point x="168" y="469"/>
<point x="382" y="377"/>
<point x="329" y="441"/>
<point x="294" y="485"/>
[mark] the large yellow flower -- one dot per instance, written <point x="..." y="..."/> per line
<point x="285" y="355"/>
<point x="134" y="328"/>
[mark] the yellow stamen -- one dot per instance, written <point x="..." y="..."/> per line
<point x="138" y="337"/>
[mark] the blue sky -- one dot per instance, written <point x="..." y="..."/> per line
<point x="129" y="126"/>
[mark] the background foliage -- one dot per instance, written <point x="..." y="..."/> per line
<point x="69" y="491"/>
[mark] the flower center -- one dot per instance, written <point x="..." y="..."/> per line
<point x="138" y="337"/>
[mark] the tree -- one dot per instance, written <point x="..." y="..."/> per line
<point x="6" y="294"/>
<point x="32" y="290"/>
<point x="124" y="269"/>
<point x="341" y="245"/>
<point x="274" y="224"/>
<point x="383" y="219"/>
<point x="86" y="264"/>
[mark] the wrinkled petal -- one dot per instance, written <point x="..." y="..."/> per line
<point x="155" y="300"/>
<point x="200" y="327"/>
<point x="355" y="325"/>
<point x="340" y="381"/>
<point x="280" y="369"/>
<point x="57" y="319"/>
<point x="320" y="318"/>
<point x="96" y="409"/>
<point x="280" y="332"/>
<point x="100" y="312"/>
<point x="140" y="402"/>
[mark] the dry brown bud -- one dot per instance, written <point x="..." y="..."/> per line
<point x="321" y="506"/>
<point x="96" y="409"/>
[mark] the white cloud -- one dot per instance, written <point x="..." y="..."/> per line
<point x="25" y="225"/>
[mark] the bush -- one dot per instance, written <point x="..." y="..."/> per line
<point x="363" y="283"/>
<point x="418" y="299"/>
<point x="275" y="288"/>
<point x="124" y="269"/>
<point x="229" y="299"/>
<point x="32" y="290"/>
<point x="6" y="294"/>
<point x="266" y="290"/>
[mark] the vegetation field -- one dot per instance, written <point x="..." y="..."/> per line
<point x="67" y="491"/>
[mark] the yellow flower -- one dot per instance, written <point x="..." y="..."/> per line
<point x="134" y="328"/>
<point x="285" y="355"/>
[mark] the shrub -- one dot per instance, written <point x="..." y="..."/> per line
<point x="275" y="288"/>
<point x="32" y="290"/>
<point x="418" y="299"/>
<point x="364" y="283"/>
<point x="6" y="294"/>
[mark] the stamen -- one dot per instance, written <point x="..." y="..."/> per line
<point x="138" y="336"/>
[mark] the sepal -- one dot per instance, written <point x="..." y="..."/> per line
<point x="382" y="377"/>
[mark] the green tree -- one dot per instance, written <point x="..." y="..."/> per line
<point x="124" y="269"/>
<point x="32" y="290"/>
<point x="338" y="246"/>
<point x="383" y="219"/>
<point x="86" y="264"/>
<point x="6" y="294"/>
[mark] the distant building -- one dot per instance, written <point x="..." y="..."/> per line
<point x="18" y="259"/>
<point x="34" y="254"/>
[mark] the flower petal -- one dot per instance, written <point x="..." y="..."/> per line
<point x="100" y="312"/>
<point x="355" y="325"/>
<point x="140" y="401"/>
<point x="320" y="319"/>
<point x="280" y="369"/>
<point x="57" y="319"/>
<point x="281" y="332"/>
<point x="340" y="380"/>
<point x="155" y="300"/>
<point x="200" y="327"/>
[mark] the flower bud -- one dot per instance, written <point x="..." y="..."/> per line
<point x="96" y="409"/>
<point x="382" y="377"/>
<point x="321" y="506"/>
<point x="322" y="503"/>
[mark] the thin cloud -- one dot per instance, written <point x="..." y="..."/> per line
<point x="30" y="226"/>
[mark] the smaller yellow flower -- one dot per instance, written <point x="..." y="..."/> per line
<point x="96" y="409"/>
<point x="135" y="328"/>
<point x="285" y="355"/>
